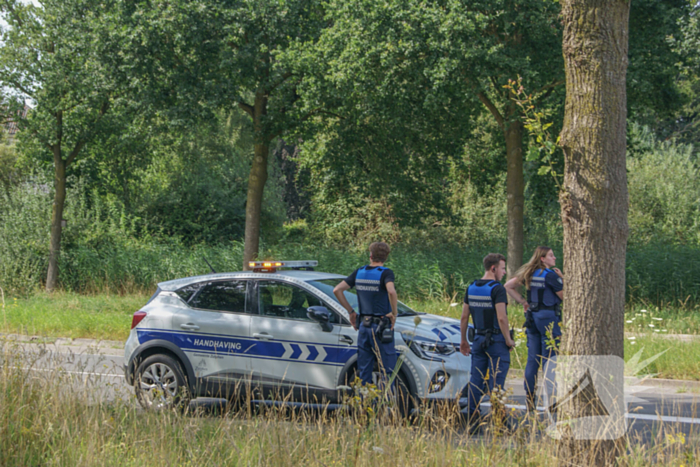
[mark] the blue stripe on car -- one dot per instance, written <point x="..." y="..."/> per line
<point x="220" y="345"/>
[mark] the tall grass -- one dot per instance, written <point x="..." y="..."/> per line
<point x="50" y="418"/>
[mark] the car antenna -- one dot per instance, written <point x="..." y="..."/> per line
<point x="212" y="269"/>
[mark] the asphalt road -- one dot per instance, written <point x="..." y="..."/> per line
<point x="96" y="373"/>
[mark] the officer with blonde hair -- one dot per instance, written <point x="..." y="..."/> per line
<point x="544" y="284"/>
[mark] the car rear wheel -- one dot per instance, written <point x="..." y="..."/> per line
<point x="160" y="384"/>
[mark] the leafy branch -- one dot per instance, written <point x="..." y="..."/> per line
<point x="543" y="146"/>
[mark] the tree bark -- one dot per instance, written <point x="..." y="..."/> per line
<point x="59" y="202"/>
<point x="256" y="182"/>
<point x="515" y="193"/>
<point x="594" y="200"/>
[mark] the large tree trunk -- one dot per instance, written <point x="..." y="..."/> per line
<point x="59" y="202"/>
<point x="256" y="183"/>
<point x="594" y="201"/>
<point x="515" y="192"/>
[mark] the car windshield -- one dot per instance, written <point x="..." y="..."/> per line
<point x="327" y="286"/>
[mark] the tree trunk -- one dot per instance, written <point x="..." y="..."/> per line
<point x="59" y="202"/>
<point x="515" y="192"/>
<point x="594" y="201"/>
<point x="256" y="183"/>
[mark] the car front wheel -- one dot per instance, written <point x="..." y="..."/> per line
<point x="160" y="383"/>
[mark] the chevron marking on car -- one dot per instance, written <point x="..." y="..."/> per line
<point x="313" y="353"/>
<point x="439" y="334"/>
<point x="287" y="351"/>
<point x="297" y="351"/>
<point x="321" y="354"/>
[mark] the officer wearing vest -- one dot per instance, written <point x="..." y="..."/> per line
<point x="378" y="301"/>
<point x="544" y="284"/>
<point x="485" y="301"/>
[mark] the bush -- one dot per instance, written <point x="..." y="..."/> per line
<point x="664" y="191"/>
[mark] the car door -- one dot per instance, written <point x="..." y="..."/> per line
<point x="214" y="334"/>
<point x="292" y="351"/>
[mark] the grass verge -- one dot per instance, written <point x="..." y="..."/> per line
<point x="64" y="314"/>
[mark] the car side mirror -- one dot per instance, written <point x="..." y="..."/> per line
<point x="322" y="316"/>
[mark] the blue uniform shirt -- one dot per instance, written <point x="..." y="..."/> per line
<point x="370" y="283"/>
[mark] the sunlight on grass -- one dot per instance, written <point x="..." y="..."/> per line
<point x="64" y="314"/>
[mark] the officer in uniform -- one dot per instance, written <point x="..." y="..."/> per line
<point x="544" y="284"/>
<point x="485" y="301"/>
<point x="378" y="303"/>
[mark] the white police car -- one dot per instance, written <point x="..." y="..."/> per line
<point x="226" y="335"/>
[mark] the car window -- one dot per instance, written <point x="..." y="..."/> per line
<point x="287" y="301"/>
<point x="187" y="291"/>
<point x="327" y="285"/>
<point x="221" y="296"/>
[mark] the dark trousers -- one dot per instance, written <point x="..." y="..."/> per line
<point x="494" y="358"/>
<point x="370" y="350"/>
<point x="538" y="353"/>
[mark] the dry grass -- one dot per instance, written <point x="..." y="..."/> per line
<point x="50" y="418"/>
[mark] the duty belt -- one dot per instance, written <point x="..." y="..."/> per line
<point x="484" y="332"/>
<point x="369" y="320"/>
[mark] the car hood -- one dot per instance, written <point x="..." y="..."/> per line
<point x="432" y="327"/>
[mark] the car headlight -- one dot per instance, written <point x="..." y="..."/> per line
<point x="427" y="349"/>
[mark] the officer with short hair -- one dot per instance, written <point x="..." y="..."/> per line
<point x="485" y="301"/>
<point x="544" y="284"/>
<point x="378" y="301"/>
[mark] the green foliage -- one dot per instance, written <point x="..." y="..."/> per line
<point x="664" y="190"/>
<point x="55" y="55"/>
<point x="195" y="188"/>
<point x="652" y="74"/>
<point x="10" y="174"/>
<point x="25" y="210"/>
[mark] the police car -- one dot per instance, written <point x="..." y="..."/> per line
<point x="276" y="332"/>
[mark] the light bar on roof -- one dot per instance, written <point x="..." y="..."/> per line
<point x="282" y="264"/>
